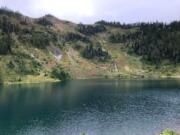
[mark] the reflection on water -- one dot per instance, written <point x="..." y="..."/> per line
<point x="97" y="107"/>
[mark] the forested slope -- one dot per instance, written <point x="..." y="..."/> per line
<point x="50" y="49"/>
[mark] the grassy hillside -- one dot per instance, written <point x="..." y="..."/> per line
<point x="49" y="49"/>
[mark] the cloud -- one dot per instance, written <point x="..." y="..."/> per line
<point x="89" y="11"/>
<point x="138" y="10"/>
<point x="65" y="7"/>
<point x="62" y="8"/>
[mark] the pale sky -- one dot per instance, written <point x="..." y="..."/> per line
<point x="90" y="11"/>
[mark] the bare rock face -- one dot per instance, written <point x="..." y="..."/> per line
<point x="56" y="52"/>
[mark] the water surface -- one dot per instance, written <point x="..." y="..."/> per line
<point x="96" y="107"/>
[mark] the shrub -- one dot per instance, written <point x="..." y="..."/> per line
<point x="76" y="37"/>
<point x="6" y="43"/>
<point x="41" y="39"/>
<point x="60" y="74"/>
<point x="8" y="25"/>
<point x="168" y="132"/>
<point x="1" y="78"/>
<point x="44" y="21"/>
<point x="90" y="29"/>
<point x="96" y="51"/>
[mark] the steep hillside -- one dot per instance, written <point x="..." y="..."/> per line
<point x="49" y="49"/>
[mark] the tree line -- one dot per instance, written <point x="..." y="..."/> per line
<point x="154" y="41"/>
<point x="96" y="51"/>
<point x="7" y="27"/>
<point x="118" y="24"/>
<point x="158" y="41"/>
<point x="90" y="30"/>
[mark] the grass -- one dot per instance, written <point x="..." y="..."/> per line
<point x="122" y="65"/>
<point x="32" y="79"/>
<point x="127" y="66"/>
<point x="28" y="64"/>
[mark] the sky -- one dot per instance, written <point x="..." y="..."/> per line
<point x="90" y="11"/>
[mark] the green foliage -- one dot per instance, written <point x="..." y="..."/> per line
<point x="76" y="37"/>
<point x="97" y="51"/>
<point x="44" y="21"/>
<point x="39" y="37"/>
<point x="79" y="45"/>
<point x="8" y="25"/>
<point x="6" y="43"/>
<point x="24" y="65"/>
<point x="155" y="41"/>
<point x="158" y="41"/>
<point x="117" y="24"/>
<point x="1" y="78"/>
<point x="60" y="74"/>
<point x="6" y="11"/>
<point x="116" y="38"/>
<point x="90" y="29"/>
<point x="11" y="65"/>
<point x="123" y="38"/>
<point x="168" y="132"/>
<point x="42" y="39"/>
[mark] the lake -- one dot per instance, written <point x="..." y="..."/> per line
<point x="94" y="107"/>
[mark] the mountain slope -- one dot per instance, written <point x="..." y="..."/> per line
<point x="49" y="49"/>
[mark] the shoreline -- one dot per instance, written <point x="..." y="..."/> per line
<point x="25" y="82"/>
<point x="89" y="78"/>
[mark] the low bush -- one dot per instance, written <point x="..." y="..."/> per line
<point x="60" y="74"/>
<point x="96" y="51"/>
